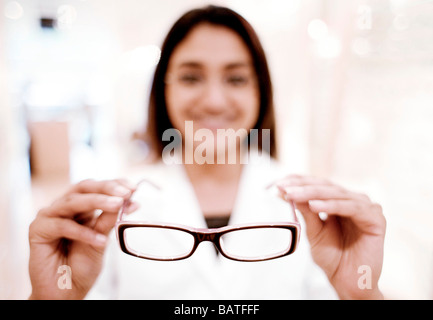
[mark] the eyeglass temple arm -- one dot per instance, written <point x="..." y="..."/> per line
<point x="128" y="201"/>
<point x="290" y="202"/>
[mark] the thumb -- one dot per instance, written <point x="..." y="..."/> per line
<point x="106" y="220"/>
<point x="312" y="220"/>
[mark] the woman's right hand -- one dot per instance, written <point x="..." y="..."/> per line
<point x="70" y="233"/>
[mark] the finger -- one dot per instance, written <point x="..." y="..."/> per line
<point x="310" y="181"/>
<point x="106" y="221"/>
<point x="120" y="187"/>
<point x="72" y="204"/>
<point x="44" y="230"/>
<point x="366" y="215"/>
<point x="131" y="206"/>
<point x="321" y="192"/>
<point x="314" y="224"/>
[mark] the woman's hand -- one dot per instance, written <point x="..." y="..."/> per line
<point x="348" y="244"/>
<point x="71" y="233"/>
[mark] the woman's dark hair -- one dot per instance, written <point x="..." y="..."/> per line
<point x="158" y="120"/>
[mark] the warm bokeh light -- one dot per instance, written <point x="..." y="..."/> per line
<point x="13" y="10"/>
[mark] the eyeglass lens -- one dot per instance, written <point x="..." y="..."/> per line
<point x="158" y="243"/>
<point x="256" y="243"/>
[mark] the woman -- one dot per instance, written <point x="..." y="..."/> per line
<point x="212" y="76"/>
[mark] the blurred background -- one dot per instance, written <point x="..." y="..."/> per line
<point x="353" y="90"/>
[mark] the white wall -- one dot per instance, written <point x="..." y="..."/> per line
<point x="14" y="188"/>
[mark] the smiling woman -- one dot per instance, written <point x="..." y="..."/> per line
<point x="213" y="57"/>
<point x="212" y="82"/>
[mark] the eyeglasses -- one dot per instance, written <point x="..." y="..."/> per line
<point x="242" y="242"/>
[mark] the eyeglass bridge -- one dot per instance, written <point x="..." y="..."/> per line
<point x="204" y="236"/>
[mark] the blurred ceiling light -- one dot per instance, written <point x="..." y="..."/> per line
<point x="291" y="7"/>
<point x="328" y="47"/>
<point x="401" y="22"/>
<point x="141" y="59"/>
<point x="360" y="129"/>
<point x="397" y="4"/>
<point x="365" y="20"/>
<point x="13" y="10"/>
<point x="282" y="8"/>
<point x="317" y="29"/>
<point x="66" y="15"/>
<point x="326" y="44"/>
<point x="361" y="46"/>
<point x="283" y="12"/>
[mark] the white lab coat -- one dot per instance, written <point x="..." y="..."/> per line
<point x="207" y="275"/>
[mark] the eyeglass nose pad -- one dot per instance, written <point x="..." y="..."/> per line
<point x="128" y="201"/>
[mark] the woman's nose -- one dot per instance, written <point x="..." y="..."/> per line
<point x="214" y="98"/>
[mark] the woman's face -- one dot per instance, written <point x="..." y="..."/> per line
<point x="211" y="81"/>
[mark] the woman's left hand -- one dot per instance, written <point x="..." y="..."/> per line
<point x="348" y="244"/>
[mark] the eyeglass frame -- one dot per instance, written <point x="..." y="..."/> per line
<point x="206" y="234"/>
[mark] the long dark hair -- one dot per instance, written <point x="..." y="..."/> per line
<point x="158" y="120"/>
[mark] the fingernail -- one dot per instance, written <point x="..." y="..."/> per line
<point x="323" y="216"/>
<point x="101" y="239"/>
<point x="131" y="206"/>
<point x="317" y="204"/>
<point x="114" y="201"/>
<point x="281" y="189"/>
<point x="121" y="191"/>
<point x="131" y="185"/>
<point x="292" y="190"/>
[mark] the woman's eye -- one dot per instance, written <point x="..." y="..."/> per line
<point x="237" y="80"/>
<point x="189" y="79"/>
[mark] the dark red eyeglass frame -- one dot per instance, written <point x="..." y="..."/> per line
<point x="204" y="234"/>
